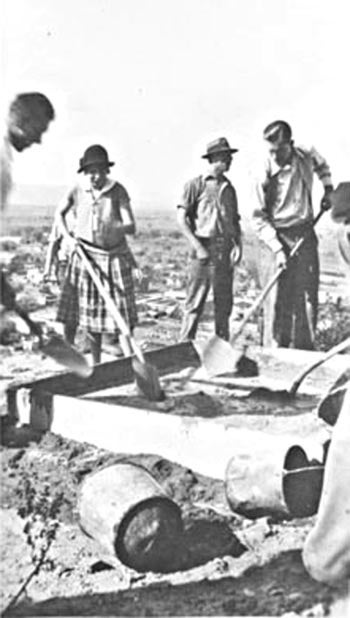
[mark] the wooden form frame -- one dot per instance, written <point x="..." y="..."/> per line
<point x="206" y="445"/>
<point x="115" y="373"/>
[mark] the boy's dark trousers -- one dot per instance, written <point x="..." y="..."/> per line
<point x="217" y="272"/>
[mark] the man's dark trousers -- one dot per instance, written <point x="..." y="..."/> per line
<point x="290" y="310"/>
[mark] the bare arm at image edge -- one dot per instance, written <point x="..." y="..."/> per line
<point x="326" y="553"/>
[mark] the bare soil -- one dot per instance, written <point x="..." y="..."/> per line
<point x="226" y="564"/>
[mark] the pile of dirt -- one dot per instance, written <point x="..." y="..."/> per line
<point x="65" y="463"/>
<point x="227" y="565"/>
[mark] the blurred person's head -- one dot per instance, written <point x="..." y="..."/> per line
<point x="278" y="136"/>
<point x="30" y="114"/>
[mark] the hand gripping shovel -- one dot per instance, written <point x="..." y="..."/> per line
<point x="218" y="356"/>
<point x="145" y="375"/>
<point x="56" y="347"/>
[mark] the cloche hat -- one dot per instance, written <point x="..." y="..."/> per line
<point x="94" y="155"/>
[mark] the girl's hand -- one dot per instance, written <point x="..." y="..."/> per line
<point x="71" y="242"/>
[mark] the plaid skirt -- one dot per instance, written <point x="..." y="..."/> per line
<point x="80" y="302"/>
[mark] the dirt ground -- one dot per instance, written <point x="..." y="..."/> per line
<point x="226" y="564"/>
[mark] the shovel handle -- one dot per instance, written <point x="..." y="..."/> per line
<point x="270" y="284"/>
<point x="111" y="306"/>
<point x="340" y="347"/>
<point x="256" y="304"/>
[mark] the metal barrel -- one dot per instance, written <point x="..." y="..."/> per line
<point x="127" y="512"/>
<point x="274" y="481"/>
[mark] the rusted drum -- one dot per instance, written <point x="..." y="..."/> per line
<point x="128" y="513"/>
<point x="274" y="482"/>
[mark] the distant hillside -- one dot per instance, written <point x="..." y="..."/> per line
<point x="40" y="195"/>
<point x="34" y="205"/>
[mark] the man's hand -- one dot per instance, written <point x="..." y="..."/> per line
<point x="202" y="253"/>
<point x="281" y="259"/>
<point x="326" y="202"/>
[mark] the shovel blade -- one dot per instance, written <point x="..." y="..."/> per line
<point x="147" y="380"/>
<point x="218" y="356"/>
<point x="65" y="354"/>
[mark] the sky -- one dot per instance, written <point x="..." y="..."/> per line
<point x="155" y="80"/>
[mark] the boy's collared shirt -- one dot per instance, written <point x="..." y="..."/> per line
<point x="210" y="203"/>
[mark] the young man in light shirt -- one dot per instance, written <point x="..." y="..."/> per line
<point x="284" y="214"/>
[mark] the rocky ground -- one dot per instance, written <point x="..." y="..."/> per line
<point x="226" y="564"/>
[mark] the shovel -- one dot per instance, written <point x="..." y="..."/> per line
<point x="218" y="356"/>
<point x="56" y="347"/>
<point x="289" y="395"/>
<point x="145" y="374"/>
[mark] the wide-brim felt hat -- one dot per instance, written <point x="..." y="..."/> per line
<point x="217" y="146"/>
<point x="94" y="155"/>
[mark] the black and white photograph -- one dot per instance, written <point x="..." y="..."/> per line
<point x="175" y="308"/>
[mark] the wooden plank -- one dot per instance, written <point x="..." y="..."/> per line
<point x="113" y="373"/>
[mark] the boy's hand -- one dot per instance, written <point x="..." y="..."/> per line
<point x="139" y="276"/>
<point x="236" y="253"/>
<point x="47" y="279"/>
<point x="202" y="253"/>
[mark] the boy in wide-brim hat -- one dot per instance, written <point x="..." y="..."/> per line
<point x="103" y="218"/>
<point x="208" y="217"/>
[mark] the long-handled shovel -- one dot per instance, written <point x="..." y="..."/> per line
<point x="56" y="347"/>
<point x="218" y="356"/>
<point x="289" y="394"/>
<point x="145" y="374"/>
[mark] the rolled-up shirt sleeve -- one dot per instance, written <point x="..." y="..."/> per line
<point x="321" y="167"/>
<point x="189" y="196"/>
